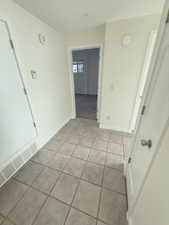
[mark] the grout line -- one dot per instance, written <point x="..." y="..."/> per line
<point x="71" y="204"/>
<point x="86" y="161"/>
<point x="62" y="172"/>
<point x="40" y="210"/>
<point x="101" y="192"/>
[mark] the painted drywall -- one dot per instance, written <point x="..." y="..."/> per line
<point x="122" y="68"/>
<point x="88" y="37"/>
<point x="74" y="15"/>
<point x="87" y="82"/>
<point x="49" y="94"/>
<point x="153" y="204"/>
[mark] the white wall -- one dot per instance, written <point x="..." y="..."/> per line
<point x="153" y="205"/>
<point x="50" y="92"/>
<point x="93" y="37"/>
<point x="87" y="37"/>
<point x="87" y="82"/>
<point x="122" y="69"/>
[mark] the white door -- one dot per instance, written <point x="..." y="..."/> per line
<point x="16" y="124"/>
<point x="143" y="78"/>
<point x="152" y="124"/>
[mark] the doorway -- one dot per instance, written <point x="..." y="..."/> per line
<point x="85" y="72"/>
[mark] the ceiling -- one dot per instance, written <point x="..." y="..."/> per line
<point x="69" y="15"/>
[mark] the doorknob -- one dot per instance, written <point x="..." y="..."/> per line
<point x="147" y="143"/>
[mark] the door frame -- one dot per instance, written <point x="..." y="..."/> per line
<point x="151" y="79"/>
<point x="143" y="78"/>
<point x="72" y="87"/>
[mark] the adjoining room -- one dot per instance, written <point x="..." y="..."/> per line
<point x="85" y="73"/>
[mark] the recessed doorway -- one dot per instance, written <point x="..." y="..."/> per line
<point x="85" y="71"/>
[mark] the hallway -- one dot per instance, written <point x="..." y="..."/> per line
<point x="76" y="179"/>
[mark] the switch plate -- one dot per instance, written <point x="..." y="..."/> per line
<point x="33" y="74"/>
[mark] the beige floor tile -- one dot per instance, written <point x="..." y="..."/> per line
<point x="93" y="173"/>
<point x="114" y="161"/>
<point x="67" y="149"/>
<point x="115" y="148"/>
<point x="78" y="218"/>
<point x="63" y="135"/>
<point x="100" y="223"/>
<point x="87" y="198"/>
<point x="74" y="139"/>
<point x="100" y="145"/>
<point x="87" y="141"/>
<point x="65" y="188"/>
<point x="46" y="180"/>
<point x="1" y="219"/>
<point x="10" y="194"/>
<point x="74" y="167"/>
<point x="116" y="138"/>
<point x="114" y="180"/>
<point x="29" y="172"/>
<point x="27" y="209"/>
<point x="123" y="218"/>
<point x="59" y="162"/>
<point x="112" y="207"/>
<point x="97" y="157"/>
<point x="44" y="156"/>
<point x="103" y="135"/>
<point x="7" y="222"/>
<point x="79" y="131"/>
<point x="54" y="145"/>
<point x="81" y="152"/>
<point x="52" y="213"/>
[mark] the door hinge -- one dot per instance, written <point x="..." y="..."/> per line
<point x="34" y="124"/>
<point x="167" y="19"/>
<point x="129" y="160"/>
<point x="11" y="43"/>
<point x="25" y="91"/>
<point x="143" y="110"/>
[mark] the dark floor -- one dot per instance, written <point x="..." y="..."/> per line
<point x="86" y="106"/>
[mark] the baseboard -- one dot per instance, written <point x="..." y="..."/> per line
<point x="44" y="142"/>
<point x="19" y="159"/>
<point x="114" y="129"/>
<point x="129" y="219"/>
<point x="16" y="162"/>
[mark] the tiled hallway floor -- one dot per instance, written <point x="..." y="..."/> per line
<point x="76" y="179"/>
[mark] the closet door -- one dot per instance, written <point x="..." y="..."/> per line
<point x="16" y="122"/>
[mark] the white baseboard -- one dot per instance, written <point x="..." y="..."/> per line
<point x="23" y="156"/>
<point x="52" y="134"/>
<point x="16" y="162"/>
<point x="129" y="219"/>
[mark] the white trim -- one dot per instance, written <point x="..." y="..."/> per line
<point x="143" y="79"/>
<point x="83" y="47"/>
<point x="150" y="80"/>
<point x="20" y="73"/>
<point x="129" y="220"/>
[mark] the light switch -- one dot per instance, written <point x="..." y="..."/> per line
<point x="34" y="74"/>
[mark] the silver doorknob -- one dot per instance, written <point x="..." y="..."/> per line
<point x="147" y="143"/>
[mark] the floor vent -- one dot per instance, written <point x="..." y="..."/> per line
<point x="10" y="169"/>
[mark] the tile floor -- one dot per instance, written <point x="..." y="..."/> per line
<point x="76" y="179"/>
